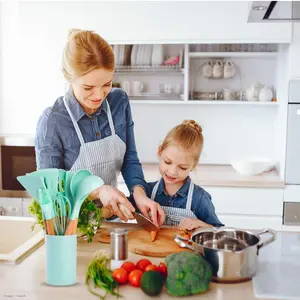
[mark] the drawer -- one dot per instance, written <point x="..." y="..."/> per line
<point x="251" y="222"/>
<point x="247" y="201"/>
<point x="292" y="193"/>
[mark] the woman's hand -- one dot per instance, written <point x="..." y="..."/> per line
<point x="146" y="205"/>
<point x="111" y="199"/>
<point x="192" y="223"/>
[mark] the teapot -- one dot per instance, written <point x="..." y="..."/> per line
<point x="265" y="94"/>
<point x="252" y="93"/>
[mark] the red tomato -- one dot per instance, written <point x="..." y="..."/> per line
<point x="142" y="264"/>
<point x="151" y="268"/>
<point x="162" y="268"/>
<point x="134" y="277"/>
<point x="120" y="275"/>
<point x="128" y="266"/>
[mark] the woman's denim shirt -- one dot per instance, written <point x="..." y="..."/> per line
<point x="57" y="144"/>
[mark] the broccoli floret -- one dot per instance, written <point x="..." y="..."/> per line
<point x="188" y="273"/>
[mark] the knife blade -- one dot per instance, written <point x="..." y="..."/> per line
<point x="145" y="222"/>
<point x="141" y="220"/>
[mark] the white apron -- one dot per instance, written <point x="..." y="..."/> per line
<point x="103" y="158"/>
<point x="175" y="214"/>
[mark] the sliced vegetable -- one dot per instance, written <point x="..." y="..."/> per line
<point x="99" y="275"/>
<point x="153" y="235"/>
<point x="134" y="278"/>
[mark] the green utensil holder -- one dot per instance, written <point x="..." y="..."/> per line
<point x="61" y="259"/>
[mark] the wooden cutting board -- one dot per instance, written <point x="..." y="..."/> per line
<point x="139" y="242"/>
<point x="103" y="236"/>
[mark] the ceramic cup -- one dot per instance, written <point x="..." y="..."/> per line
<point x="218" y="69"/>
<point x="136" y="88"/>
<point x="208" y="69"/>
<point x="61" y="259"/>
<point x="125" y="85"/>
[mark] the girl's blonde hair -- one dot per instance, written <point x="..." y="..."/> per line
<point x="86" y="51"/>
<point x="187" y="135"/>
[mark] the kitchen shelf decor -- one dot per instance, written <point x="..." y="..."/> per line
<point x="218" y="69"/>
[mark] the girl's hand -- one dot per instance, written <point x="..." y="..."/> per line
<point x="192" y="223"/>
<point x="146" y="206"/>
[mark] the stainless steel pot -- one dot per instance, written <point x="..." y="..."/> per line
<point x="232" y="253"/>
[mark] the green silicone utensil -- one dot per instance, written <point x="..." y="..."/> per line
<point x="76" y="179"/>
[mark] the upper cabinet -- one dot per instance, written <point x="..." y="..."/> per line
<point x="156" y="22"/>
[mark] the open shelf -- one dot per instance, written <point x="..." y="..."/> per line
<point x="232" y="102"/>
<point x="234" y="54"/>
<point x="175" y="69"/>
<point x="205" y="102"/>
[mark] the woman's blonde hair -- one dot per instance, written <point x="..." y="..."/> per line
<point x="86" y="51"/>
<point x="187" y="135"/>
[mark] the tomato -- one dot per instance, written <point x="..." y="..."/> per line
<point x="134" y="277"/>
<point x="128" y="266"/>
<point x="120" y="275"/>
<point x="162" y="268"/>
<point x="142" y="264"/>
<point x="151" y="268"/>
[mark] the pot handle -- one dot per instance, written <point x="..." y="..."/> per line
<point x="271" y="239"/>
<point x="180" y="241"/>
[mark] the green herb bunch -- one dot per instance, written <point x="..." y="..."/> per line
<point x="89" y="218"/>
<point x="100" y="276"/>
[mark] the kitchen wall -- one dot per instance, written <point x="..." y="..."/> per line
<point x="33" y="79"/>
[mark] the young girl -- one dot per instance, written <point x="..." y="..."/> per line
<point x="186" y="204"/>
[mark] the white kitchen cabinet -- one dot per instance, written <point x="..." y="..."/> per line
<point x="11" y="206"/>
<point x="292" y="193"/>
<point x="251" y="222"/>
<point x="248" y="207"/>
<point x="247" y="201"/>
<point x="153" y="21"/>
<point x="25" y="204"/>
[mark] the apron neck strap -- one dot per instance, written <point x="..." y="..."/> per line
<point x="190" y="196"/>
<point x="110" y="120"/>
<point x="154" y="191"/>
<point x="74" y="121"/>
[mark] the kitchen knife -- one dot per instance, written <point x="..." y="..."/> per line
<point x="145" y="222"/>
<point x="141" y="220"/>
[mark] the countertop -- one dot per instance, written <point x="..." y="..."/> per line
<point x="220" y="175"/>
<point x="26" y="280"/>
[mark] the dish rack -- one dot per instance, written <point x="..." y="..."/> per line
<point x="149" y="68"/>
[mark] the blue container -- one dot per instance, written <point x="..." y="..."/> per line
<point x="61" y="259"/>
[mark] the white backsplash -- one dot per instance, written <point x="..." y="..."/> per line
<point x="229" y="131"/>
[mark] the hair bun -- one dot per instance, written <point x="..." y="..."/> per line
<point x="73" y="32"/>
<point x="193" y="124"/>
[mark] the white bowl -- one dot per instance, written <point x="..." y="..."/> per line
<point x="252" y="166"/>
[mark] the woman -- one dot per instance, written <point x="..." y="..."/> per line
<point x="91" y="127"/>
